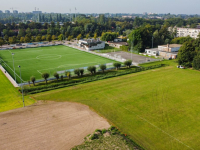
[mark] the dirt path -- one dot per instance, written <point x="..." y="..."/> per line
<point x="50" y="126"/>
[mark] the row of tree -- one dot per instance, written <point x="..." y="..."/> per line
<point x="79" y="72"/>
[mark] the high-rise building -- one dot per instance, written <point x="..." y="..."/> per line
<point x="37" y="12"/>
<point x="15" y="12"/>
<point x="7" y="11"/>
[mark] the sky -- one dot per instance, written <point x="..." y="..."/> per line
<point x="104" y="6"/>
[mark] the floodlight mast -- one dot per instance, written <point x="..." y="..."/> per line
<point x="14" y="65"/>
<point x="75" y="14"/>
<point x="70" y="15"/>
<point x="21" y="86"/>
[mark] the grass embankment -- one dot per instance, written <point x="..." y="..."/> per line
<point x="158" y="108"/>
<point x="107" y="139"/>
<point x="10" y="98"/>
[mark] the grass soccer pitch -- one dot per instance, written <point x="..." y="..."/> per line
<point x="35" y="61"/>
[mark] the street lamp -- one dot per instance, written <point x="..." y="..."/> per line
<point x="21" y="86"/>
<point x="14" y="65"/>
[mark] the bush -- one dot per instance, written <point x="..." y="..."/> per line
<point x="128" y="63"/>
<point x="81" y="72"/>
<point x="77" y="72"/>
<point x="92" y="69"/>
<point x="45" y="76"/>
<point x="94" y="136"/>
<point x="56" y="75"/>
<point x="33" y="80"/>
<point x="61" y="77"/>
<point x="117" y="65"/>
<point x="103" y="67"/>
<point x="68" y="74"/>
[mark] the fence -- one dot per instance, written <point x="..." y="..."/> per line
<point x="102" y="55"/>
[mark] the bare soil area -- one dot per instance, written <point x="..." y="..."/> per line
<point x="48" y="125"/>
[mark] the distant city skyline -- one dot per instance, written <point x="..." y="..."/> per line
<point x="104" y="6"/>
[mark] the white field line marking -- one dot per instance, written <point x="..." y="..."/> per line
<point x="64" y="66"/>
<point x="74" y="64"/>
<point x="33" y="51"/>
<point x="13" y="71"/>
<point x="10" y="51"/>
<point x="41" y="59"/>
<point x="39" y="71"/>
<point x="151" y="124"/>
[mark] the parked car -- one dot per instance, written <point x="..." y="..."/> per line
<point x="181" y="67"/>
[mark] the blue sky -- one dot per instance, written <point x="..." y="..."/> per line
<point x="104" y="6"/>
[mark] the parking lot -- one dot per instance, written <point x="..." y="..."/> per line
<point x="137" y="59"/>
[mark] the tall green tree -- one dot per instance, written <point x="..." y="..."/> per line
<point x="186" y="54"/>
<point x="45" y="76"/>
<point x="1" y="41"/>
<point x="33" y="80"/>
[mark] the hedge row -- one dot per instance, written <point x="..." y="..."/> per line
<point x="48" y="87"/>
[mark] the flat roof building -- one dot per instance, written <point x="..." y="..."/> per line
<point x="184" y="32"/>
<point x="37" y="12"/>
<point x="91" y="44"/>
<point x="166" y="51"/>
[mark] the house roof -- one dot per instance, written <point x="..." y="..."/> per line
<point x="120" y="43"/>
<point x="171" y="45"/>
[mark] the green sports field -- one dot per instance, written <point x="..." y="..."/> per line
<point x="159" y="109"/>
<point x="35" y="61"/>
<point x="10" y="98"/>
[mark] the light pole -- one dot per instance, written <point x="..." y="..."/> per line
<point x="14" y="65"/>
<point x="21" y="86"/>
<point x="152" y="41"/>
<point x="132" y="48"/>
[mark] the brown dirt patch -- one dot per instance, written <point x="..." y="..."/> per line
<point x="48" y="125"/>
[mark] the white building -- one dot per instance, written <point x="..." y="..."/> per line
<point x="166" y="51"/>
<point x="91" y="44"/>
<point x="192" y="32"/>
<point x="152" y="52"/>
<point x="169" y="47"/>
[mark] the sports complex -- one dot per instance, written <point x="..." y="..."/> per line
<point x="35" y="61"/>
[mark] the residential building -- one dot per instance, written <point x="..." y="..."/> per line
<point x="91" y="44"/>
<point x="7" y="11"/>
<point x="192" y="32"/>
<point x="15" y="12"/>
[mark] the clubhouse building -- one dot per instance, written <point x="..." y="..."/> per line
<point x="91" y="44"/>
<point x="165" y="51"/>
